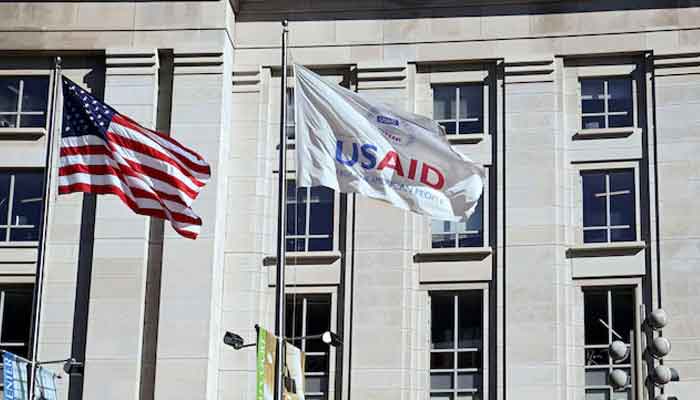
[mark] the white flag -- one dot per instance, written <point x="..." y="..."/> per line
<point x="350" y="144"/>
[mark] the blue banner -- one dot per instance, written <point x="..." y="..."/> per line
<point x="16" y="385"/>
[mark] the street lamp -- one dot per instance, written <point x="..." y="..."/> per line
<point x="236" y="341"/>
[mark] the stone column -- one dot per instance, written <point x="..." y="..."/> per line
<point x="190" y="332"/>
<point x="120" y="260"/>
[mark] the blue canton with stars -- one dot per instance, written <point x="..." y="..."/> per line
<point x="83" y="114"/>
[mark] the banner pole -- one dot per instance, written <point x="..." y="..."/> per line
<point x="44" y="223"/>
<point x="281" y="223"/>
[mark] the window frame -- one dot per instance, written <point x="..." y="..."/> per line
<point x="578" y="210"/>
<point x="606" y="106"/>
<point x="484" y="107"/>
<point x="336" y="231"/>
<point x="427" y="242"/>
<point x="4" y="287"/>
<point x="332" y="373"/>
<point x="31" y="132"/>
<point x="636" y="356"/>
<point x="9" y="226"/>
<point x="604" y="69"/>
<point x="456" y="289"/>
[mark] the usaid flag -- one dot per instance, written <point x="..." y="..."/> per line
<point x="350" y="144"/>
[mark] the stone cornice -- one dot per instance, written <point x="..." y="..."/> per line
<point x="131" y="61"/>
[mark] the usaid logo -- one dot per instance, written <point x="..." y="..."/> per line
<point x="387" y="120"/>
<point x="390" y="130"/>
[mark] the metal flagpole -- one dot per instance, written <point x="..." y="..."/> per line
<point x="44" y="223"/>
<point x="281" y="223"/>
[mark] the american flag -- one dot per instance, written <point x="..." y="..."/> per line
<point x="104" y="152"/>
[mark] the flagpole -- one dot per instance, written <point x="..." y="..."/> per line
<point x="281" y="222"/>
<point x="44" y="223"/>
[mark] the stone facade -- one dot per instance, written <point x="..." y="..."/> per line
<point x="146" y="309"/>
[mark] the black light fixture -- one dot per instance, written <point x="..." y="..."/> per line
<point x="73" y="367"/>
<point x="236" y="341"/>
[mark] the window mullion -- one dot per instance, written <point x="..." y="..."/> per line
<point x="307" y="219"/>
<point x="605" y="103"/>
<point x="304" y="300"/>
<point x="2" y="311"/>
<point x="607" y="207"/>
<point x="10" y="202"/>
<point x="456" y="345"/>
<point x="19" y="103"/>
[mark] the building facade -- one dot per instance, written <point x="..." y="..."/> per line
<point x="584" y="113"/>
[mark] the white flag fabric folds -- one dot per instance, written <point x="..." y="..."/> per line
<point x="350" y="144"/>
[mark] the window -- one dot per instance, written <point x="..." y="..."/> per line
<point x="21" y="203"/>
<point x="606" y="103"/>
<point x="309" y="218"/>
<point x="459" y="109"/>
<point x="290" y="126"/>
<point x="311" y="315"/>
<point x="465" y="233"/>
<point x="608" y="206"/>
<point x="609" y="315"/>
<point x="23" y="101"/>
<point x="15" y="318"/>
<point x="456" y="345"/>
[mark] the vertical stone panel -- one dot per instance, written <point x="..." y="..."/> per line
<point x="116" y="313"/>
<point x="189" y="335"/>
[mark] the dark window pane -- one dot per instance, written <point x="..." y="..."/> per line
<point x="597" y="357"/>
<point x="620" y="121"/>
<point x="471" y="101"/>
<point x="325" y="244"/>
<point x="293" y="318"/>
<point x="623" y="235"/>
<point x="321" y="211"/>
<point x="620" y="91"/>
<point x="595" y="309"/>
<point x="441" y="380"/>
<point x="442" y="360"/>
<point x="444" y="102"/>
<point x="295" y="245"/>
<point x="8" y="121"/>
<point x="597" y="394"/>
<point x="622" y="180"/>
<point x="471" y="240"/>
<point x="470" y="316"/>
<point x="593" y="204"/>
<point x="622" y="209"/>
<point x="623" y="313"/>
<point x="443" y="241"/>
<point x="316" y="363"/>
<point x="469" y="359"/>
<point x="476" y="221"/>
<point x="470" y="127"/>
<point x="17" y="316"/>
<point x="32" y="121"/>
<point x="36" y="94"/>
<point x="318" y="321"/>
<point x="592" y="87"/>
<point x="593" y="122"/>
<point x="442" y="321"/>
<point x="9" y="94"/>
<point x="450" y="127"/>
<point x="589" y="106"/>
<point x="595" y="236"/>
<point x="4" y="198"/>
<point x="468" y="380"/>
<point x="27" y="205"/>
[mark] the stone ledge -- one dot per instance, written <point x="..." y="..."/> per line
<point x="605" y="249"/>
<point x="461" y="254"/>
<point x="605" y="133"/>
<point x="22" y="133"/>
<point x="305" y="258"/>
<point x="467" y="138"/>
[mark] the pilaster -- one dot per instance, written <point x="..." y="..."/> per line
<point x="189" y="336"/>
<point x="120" y="258"/>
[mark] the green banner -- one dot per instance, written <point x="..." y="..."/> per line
<point x="267" y="351"/>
